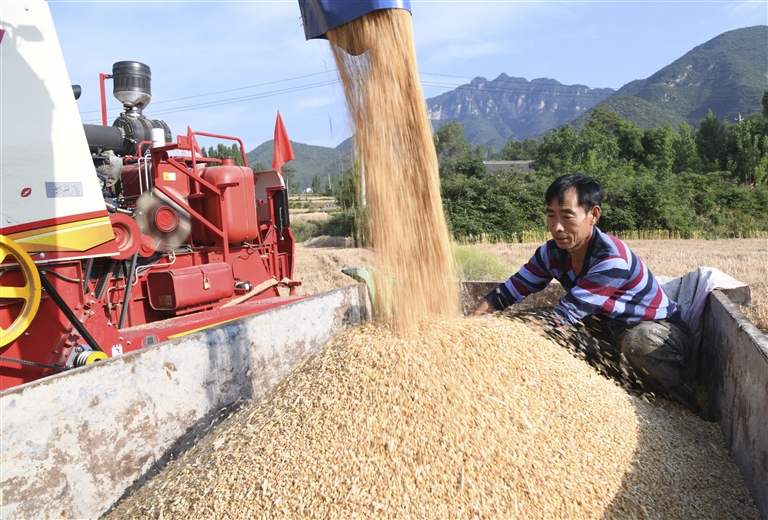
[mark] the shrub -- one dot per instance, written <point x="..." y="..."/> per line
<point x="478" y="264"/>
<point x="305" y="229"/>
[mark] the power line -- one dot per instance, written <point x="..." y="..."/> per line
<point x="248" y="98"/>
<point x="155" y="103"/>
<point x="428" y="83"/>
<point x="433" y="84"/>
<point x="289" y="90"/>
<point x="240" y="99"/>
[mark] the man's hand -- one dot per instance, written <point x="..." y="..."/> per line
<point x="482" y="307"/>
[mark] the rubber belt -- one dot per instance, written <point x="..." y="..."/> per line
<point x="129" y="285"/>
<point x="31" y="363"/>
<point x="61" y="304"/>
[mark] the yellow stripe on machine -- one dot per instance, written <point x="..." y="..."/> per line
<point x="188" y="332"/>
<point x="73" y="236"/>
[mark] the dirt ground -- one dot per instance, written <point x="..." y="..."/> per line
<point x="319" y="268"/>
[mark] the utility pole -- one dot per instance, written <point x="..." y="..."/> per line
<point x="362" y="183"/>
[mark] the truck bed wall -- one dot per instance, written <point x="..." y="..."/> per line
<point x="734" y="369"/>
<point x="73" y="444"/>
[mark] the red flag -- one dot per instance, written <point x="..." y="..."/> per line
<point x="283" y="151"/>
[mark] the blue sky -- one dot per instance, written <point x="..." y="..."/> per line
<point x="228" y="67"/>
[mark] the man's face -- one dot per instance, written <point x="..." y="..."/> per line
<point x="570" y="224"/>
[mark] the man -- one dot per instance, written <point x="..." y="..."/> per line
<point x="614" y="311"/>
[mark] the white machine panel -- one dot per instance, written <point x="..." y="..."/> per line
<point x="46" y="170"/>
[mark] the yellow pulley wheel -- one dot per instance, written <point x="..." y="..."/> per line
<point x="94" y="357"/>
<point x="30" y="293"/>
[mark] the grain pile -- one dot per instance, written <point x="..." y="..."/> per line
<point x="478" y="418"/>
<point x="393" y="143"/>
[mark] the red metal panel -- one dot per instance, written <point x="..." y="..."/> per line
<point x="236" y="205"/>
<point x="177" y="289"/>
<point x="174" y="327"/>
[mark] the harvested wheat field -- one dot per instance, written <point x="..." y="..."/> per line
<point x="319" y="268"/>
<point x="476" y="419"/>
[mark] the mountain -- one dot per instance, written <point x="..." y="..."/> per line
<point x="634" y="109"/>
<point x="310" y="160"/>
<point x="512" y="108"/>
<point x="728" y="75"/>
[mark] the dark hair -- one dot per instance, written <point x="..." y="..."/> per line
<point x="588" y="190"/>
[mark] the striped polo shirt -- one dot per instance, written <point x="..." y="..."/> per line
<point x="613" y="283"/>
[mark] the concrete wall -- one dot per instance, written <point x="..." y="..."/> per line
<point x="74" y="443"/>
<point x="734" y="369"/>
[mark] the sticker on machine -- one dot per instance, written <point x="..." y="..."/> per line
<point x="55" y="190"/>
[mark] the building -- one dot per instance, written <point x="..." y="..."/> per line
<point x="492" y="167"/>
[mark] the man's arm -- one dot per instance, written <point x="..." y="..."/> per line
<point x="534" y="276"/>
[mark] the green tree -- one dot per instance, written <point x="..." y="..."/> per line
<point x="658" y="152"/>
<point x="260" y="167"/>
<point x="512" y="151"/>
<point x="529" y="149"/>
<point x="592" y="151"/>
<point x="558" y="150"/>
<point x="684" y="149"/>
<point x="317" y="184"/>
<point x="765" y="103"/>
<point x="348" y="192"/>
<point x="711" y="143"/>
<point x="450" y="141"/>
<point x="519" y="151"/>
<point x="237" y="155"/>
<point x="289" y="175"/>
<point x="497" y="205"/>
<point x="222" y="151"/>
<point x="454" y="152"/>
<point x="746" y="152"/>
<point x="629" y="138"/>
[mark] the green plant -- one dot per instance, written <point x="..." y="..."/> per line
<point x="475" y="263"/>
<point x="305" y="229"/>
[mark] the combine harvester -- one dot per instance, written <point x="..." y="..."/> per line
<point x="139" y="289"/>
<point x="137" y="242"/>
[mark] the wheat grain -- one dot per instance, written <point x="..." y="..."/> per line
<point x="477" y="418"/>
